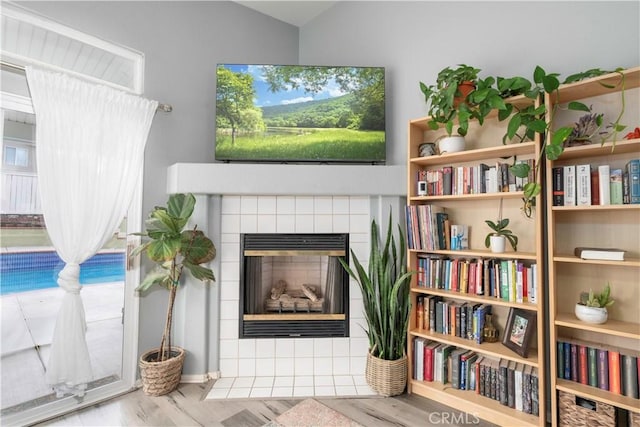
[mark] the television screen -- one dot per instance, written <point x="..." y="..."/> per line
<point x="300" y="113"/>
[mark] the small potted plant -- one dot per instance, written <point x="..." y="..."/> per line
<point x="592" y="307"/>
<point x="448" y="104"/>
<point x="499" y="235"/>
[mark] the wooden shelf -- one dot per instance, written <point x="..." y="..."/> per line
<point x="589" y="392"/>
<point x="596" y="208"/>
<point x="475" y="298"/>
<point x="473" y="404"/>
<point x="613" y="327"/>
<point x="495" y="349"/>
<point x="481" y="254"/>
<point x="469" y="197"/>
<point x="475" y="155"/>
<point x="621" y="146"/>
<point x="631" y="262"/>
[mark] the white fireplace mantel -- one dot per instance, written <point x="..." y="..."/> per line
<point x="279" y="179"/>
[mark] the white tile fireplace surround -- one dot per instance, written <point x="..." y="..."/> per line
<point x="290" y="366"/>
<point x="264" y="198"/>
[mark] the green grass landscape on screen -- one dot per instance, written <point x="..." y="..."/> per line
<point x="300" y="113"/>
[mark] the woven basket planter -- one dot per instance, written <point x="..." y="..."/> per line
<point x="160" y="378"/>
<point x="386" y="377"/>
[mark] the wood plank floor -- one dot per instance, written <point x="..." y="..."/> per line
<point x="187" y="407"/>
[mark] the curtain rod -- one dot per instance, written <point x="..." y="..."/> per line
<point x="167" y="108"/>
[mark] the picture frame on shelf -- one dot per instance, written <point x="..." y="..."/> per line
<point x="518" y="330"/>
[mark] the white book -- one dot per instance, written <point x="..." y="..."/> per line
<point x="607" y="254"/>
<point x="570" y="185"/>
<point x="533" y="284"/>
<point x="419" y="362"/>
<point x="583" y="184"/>
<point x="519" y="391"/>
<point x="603" y="184"/>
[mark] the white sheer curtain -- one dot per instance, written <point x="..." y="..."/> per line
<point x="90" y="143"/>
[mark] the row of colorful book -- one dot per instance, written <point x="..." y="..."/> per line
<point x="427" y="227"/>
<point x="509" y="280"/>
<point x="479" y="179"/>
<point x="608" y="368"/>
<point x="461" y="319"/>
<point x="511" y="383"/>
<point x="586" y="185"/>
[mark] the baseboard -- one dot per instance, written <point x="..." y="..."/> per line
<point x="201" y="378"/>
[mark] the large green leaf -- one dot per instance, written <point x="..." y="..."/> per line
<point x="196" y="247"/>
<point x="163" y="249"/>
<point x="199" y="272"/>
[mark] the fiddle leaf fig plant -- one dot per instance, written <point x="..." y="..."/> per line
<point x="174" y="248"/>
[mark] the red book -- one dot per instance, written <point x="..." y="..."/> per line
<point x="614" y="372"/>
<point x="455" y="265"/>
<point x="583" y="377"/>
<point x="428" y="360"/>
<point x="595" y="188"/>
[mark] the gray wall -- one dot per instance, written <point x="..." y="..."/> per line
<point x="183" y="41"/>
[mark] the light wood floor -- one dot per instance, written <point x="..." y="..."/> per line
<point x="187" y="407"/>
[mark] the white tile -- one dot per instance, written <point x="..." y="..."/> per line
<point x="358" y="365"/>
<point x="229" y="367"/>
<point x="282" y="392"/>
<point x="359" y="346"/>
<point x="356" y="329"/>
<point x="265" y="348"/>
<point x="260" y="392"/>
<point x="229" y="291"/>
<point x="283" y="381"/>
<point x="285" y="367"/>
<point x="322" y="380"/>
<point x="266" y="367"/>
<point x="304" y="347"/>
<point x="229" y="312"/>
<point x="236" y="393"/>
<point x="249" y="223"/>
<point x="286" y="223"/>
<point x="341" y="366"/>
<point x="267" y="224"/>
<point x="322" y="347"/>
<point x="356" y="306"/>
<point x="247" y="348"/>
<point x="303" y="380"/>
<point x="346" y="390"/>
<point x="218" y="393"/>
<point x="228" y="349"/>
<point x="324" y="390"/>
<point x="304" y="223"/>
<point x="343" y="380"/>
<point x="263" y="381"/>
<point x="243" y="382"/>
<point x="359" y="380"/>
<point x="341" y="347"/>
<point x="358" y="223"/>
<point x="322" y="223"/>
<point x="224" y="382"/>
<point x="304" y="205"/>
<point x="341" y="205"/>
<point x="323" y="205"/>
<point x="303" y="366"/>
<point x="285" y="347"/>
<point x="230" y="205"/>
<point x="228" y="329"/>
<point x="249" y="205"/>
<point x="230" y="271"/>
<point x="267" y="205"/>
<point x="230" y="223"/>
<point x="229" y="252"/>
<point x="341" y="224"/>
<point x="227" y="237"/>
<point x="247" y="367"/>
<point x="303" y="391"/>
<point x="359" y="205"/>
<point x="286" y="205"/>
<point x="322" y="366"/>
<point x="359" y="238"/>
<point x="365" y="390"/>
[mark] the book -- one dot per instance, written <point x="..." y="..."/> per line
<point x="592" y="361"/>
<point x="455" y="366"/>
<point x="535" y="402"/>
<point x="459" y="237"/>
<point x="633" y="169"/>
<point x="582" y="364"/>
<point x="526" y="389"/>
<point x="595" y="187"/>
<point x="615" y="186"/>
<point x="418" y="347"/>
<point x="603" y="368"/>
<point x="566" y="348"/>
<point x="558" y="186"/>
<point x="569" y="174"/>
<point x="503" y="374"/>
<point x="583" y="185"/>
<point x="560" y="359"/>
<point x="615" y="381"/>
<point x="519" y="390"/>
<point x="428" y="360"/>
<point x="604" y="175"/>
<point x="629" y="368"/>
<point x="574" y="362"/>
<point x="607" y="254"/>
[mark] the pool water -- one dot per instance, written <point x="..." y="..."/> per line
<point x="28" y="271"/>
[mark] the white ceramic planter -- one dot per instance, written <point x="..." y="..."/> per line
<point x="451" y="144"/>
<point x="497" y="244"/>
<point x="595" y="315"/>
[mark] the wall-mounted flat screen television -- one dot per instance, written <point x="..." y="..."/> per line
<point x="299" y="113"/>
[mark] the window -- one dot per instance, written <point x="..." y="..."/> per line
<point x="16" y="156"/>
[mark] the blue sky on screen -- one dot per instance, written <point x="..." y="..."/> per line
<point x="265" y="98"/>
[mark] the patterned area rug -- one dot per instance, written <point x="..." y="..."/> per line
<point x="311" y="413"/>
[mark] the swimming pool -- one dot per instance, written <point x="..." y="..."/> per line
<point x="28" y="271"/>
